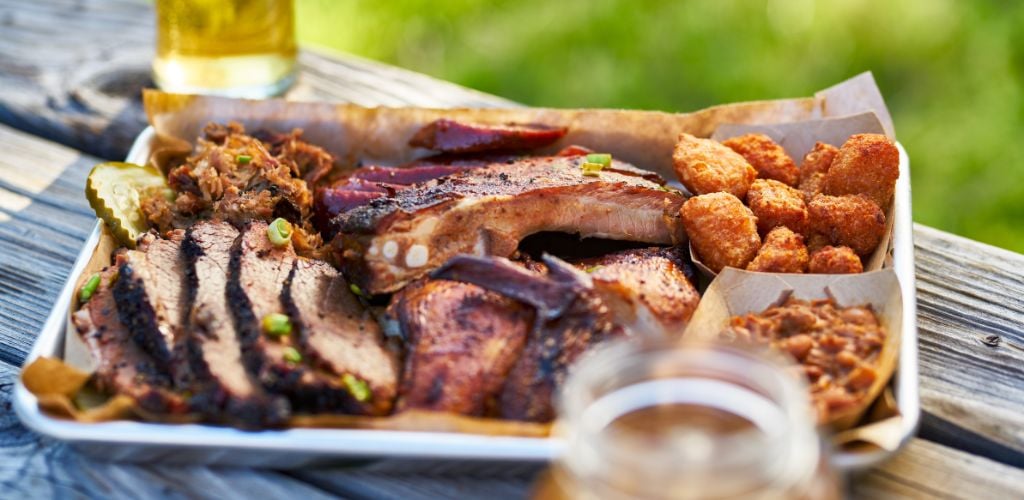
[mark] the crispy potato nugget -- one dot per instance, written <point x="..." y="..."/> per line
<point x="835" y="260"/>
<point x="722" y="231"/>
<point x="776" y="204"/>
<point x="766" y="156"/>
<point x="867" y="164"/>
<point x="813" y="168"/>
<point x="705" y="166"/>
<point x="783" y="251"/>
<point x="817" y="160"/>
<point x="851" y="220"/>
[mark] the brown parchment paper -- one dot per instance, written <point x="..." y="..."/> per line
<point x="380" y="135"/>
<point x="735" y="292"/>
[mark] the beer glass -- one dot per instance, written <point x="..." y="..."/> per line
<point x="235" y="48"/>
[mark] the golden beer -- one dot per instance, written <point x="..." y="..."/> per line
<point x="237" y="48"/>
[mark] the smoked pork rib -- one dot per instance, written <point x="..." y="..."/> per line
<point x="462" y="342"/>
<point x="152" y="302"/>
<point x="487" y="211"/>
<point x="571" y="318"/>
<point x="225" y="390"/>
<point x="649" y="289"/>
<point x="121" y="366"/>
<point x="340" y="337"/>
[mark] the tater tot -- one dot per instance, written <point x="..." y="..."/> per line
<point x="813" y="168"/>
<point x="867" y="164"/>
<point x="776" y="204"/>
<point x="766" y="156"/>
<point x="817" y="160"/>
<point x="783" y="251"/>
<point x="705" y="166"/>
<point x="835" y="260"/>
<point x="722" y="231"/>
<point x="851" y="220"/>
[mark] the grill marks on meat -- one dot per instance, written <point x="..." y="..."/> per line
<point x="563" y="328"/>
<point x="122" y="367"/>
<point x="339" y="336"/>
<point x="648" y="289"/>
<point x="151" y="302"/>
<point x="487" y="211"/>
<point x="451" y="136"/>
<point x="463" y="340"/>
<point x="226" y="389"/>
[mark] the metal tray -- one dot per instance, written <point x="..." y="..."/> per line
<point x="206" y="444"/>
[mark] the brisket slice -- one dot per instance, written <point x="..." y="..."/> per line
<point x="451" y="136"/>
<point x="225" y="390"/>
<point x="487" y="211"/>
<point x="338" y="335"/>
<point x="122" y="367"/>
<point x="259" y="273"/>
<point x="462" y="342"/>
<point x="151" y="302"/>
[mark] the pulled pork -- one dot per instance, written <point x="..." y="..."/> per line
<point x="239" y="178"/>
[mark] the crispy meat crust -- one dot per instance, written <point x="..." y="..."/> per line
<point x="867" y="164"/>
<point x="721" y="229"/>
<point x="463" y="340"/>
<point x="776" y="204"/>
<point x="851" y="220"/>
<point x="706" y="166"/>
<point x="783" y="251"/>
<point x="766" y="156"/>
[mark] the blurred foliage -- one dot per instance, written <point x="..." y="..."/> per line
<point x="952" y="71"/>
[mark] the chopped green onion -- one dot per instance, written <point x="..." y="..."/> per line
<point x="603" y="159"/>
<point x="279" y="232"/>
<point x="292" y="356"/>
<point x="591" y="269"/>
<point x="89" y="288"/>
<point x="277" y="325"/>
<point x="356" y="290"/>
<point x="358" y="388"/>
<point x="243" y="159"/>
<point x="592" y="169"/>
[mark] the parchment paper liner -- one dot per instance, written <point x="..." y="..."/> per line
<point x="735" y="292"/>
<point x="644" y="138"/>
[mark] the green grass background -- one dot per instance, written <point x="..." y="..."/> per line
<point x="952" y="71"/>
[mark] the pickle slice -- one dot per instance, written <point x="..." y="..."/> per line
<point x="114" y="191"/>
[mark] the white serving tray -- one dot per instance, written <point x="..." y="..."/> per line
<point x="207" y="444"/>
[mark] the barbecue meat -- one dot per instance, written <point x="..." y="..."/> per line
<point x="571" y="317"/>
<point x="648" y="289"/>
<point x="462" y="342"/>
<point x="487" y="211"/>
<point x="339" y="336"/>
<point x="151" y="301"/>
<point x="450" y="136"/>
<point x="225" y="390"/>
<point x="122" y="367"/>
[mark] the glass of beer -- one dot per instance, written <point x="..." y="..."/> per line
<point x="234" y="48"/>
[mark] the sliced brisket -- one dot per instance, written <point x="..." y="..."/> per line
<point x="122" y="367"/>
<point x="339" y="335"/>
<point x="225" y="391"/>
<point x="151" y="302"/>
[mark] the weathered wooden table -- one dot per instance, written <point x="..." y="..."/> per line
<point x="70" y="75"/>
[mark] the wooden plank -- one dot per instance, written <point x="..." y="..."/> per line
<point x="930" y="470"/>
<point x="971" y="328"/>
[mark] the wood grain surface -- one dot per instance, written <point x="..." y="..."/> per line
<point x="71" y="72"/>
